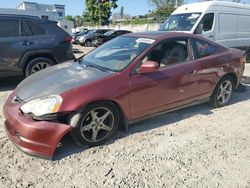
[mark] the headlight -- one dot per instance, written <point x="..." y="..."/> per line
<point x="82" y="38"/>
<point x="43" y="106"/>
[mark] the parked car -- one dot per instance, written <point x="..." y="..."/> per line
<point x="30" y="44"/>
<point x="76" y="36"/>
<point x="87" y="39"/>
<point x="99" y="40"/>
<point x="226" y="23"/>
<point x="129" y="78"/>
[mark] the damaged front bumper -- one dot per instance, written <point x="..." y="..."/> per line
<point x="39" y="138"/>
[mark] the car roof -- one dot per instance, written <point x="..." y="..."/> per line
<point x="122" y="30"/>
<point x="158" y="34"/>
<point x="161" y="35"/>
<point x="20" y="16"/>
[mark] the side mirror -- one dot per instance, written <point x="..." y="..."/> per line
<point x="149" y="67"/>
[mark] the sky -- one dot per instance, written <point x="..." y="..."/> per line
<point x="76" y="7"/>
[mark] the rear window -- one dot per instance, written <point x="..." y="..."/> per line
<point x="35" y="28"/>
<point x="203" y="49"/>
<point x="9" y="28"/>
<point x="24" y="29"/>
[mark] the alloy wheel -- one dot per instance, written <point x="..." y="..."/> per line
<point x="224" y="92"/>
<point x="97" y="124"/>
<point x="39" y="66"/>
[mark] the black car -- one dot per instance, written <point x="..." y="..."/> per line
<point x="108" y="36"/>
<point x="87" y="39"/>
<point x="29" y="44"/>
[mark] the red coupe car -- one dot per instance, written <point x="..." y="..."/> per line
<point x="130" y="78"/>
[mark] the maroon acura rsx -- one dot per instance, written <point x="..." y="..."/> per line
<point x="132" y="77"/>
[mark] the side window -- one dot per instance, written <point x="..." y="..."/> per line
<point x="203" y="48"/>
<point x="24" y="29"/>
<point x="35" y="28"/>
<point x="9" y="28"/>
<point x="206" y="23"/>
<point x="169" y="52"/>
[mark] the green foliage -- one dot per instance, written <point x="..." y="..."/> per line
<point x="70" y="18"/>
<point x="78" y="21"/>
<point x="135" y="21"/>
<point x="162" y="13"/>
<point x="163" y="8"/>
<point x="99" y="11"/>
<point x="165" y="3"/>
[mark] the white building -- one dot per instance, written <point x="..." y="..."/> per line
<point x="53" y="12"/>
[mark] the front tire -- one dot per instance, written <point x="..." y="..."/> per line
<point x="37" y="65"/>
<point x="97" y="124"/>
<point x="222" y="93"/>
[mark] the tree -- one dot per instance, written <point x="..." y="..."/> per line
<point x="78" y="21"/>
<point x="163" y="12"/>
<point x="122" y="12"/>
<point x="99" y="11"/>
<point x="69" y="17"/>
<point x="165" y="3"/>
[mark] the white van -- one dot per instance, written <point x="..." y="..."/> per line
<point x="227" y="23"/>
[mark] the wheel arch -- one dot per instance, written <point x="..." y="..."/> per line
<point x="233" y="76"/>
<point x="123" y="121"/>
<point x="33" y="55"/>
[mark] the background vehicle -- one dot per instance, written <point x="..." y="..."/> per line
<point x="29" y="44"/>
<point x="108" y="36"/>
<point x="150" y="74"/>
<point x="87" y="39"/>
<point x="224" y="22"/>
<point x="76" y="36"/>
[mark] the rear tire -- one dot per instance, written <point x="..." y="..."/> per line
<point x="37" y="65"/>
<point x="222" y="92"/>
<point x="88" y="43"/>
<point x="97" y="124"/>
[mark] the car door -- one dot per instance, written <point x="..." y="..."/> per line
<point x="13" y="45"/>
<point x="174" y="84"/>
<point x="210" y="65"/>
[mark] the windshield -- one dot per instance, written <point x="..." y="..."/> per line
<point x="180" y="22"/>
<point x="83" y="32"/>
<point x="109" y="33"/>
<point x="117" y="54"/>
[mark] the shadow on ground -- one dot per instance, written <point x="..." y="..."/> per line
<point x="68" y="147"/>
<point x="77" y="51"/>
<point x="8" y="84"/>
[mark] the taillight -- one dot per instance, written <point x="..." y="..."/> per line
<point x="68" y="39"/>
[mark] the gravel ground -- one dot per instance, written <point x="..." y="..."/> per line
<point x="194" y="147"/>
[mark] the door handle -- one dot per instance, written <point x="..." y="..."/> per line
<point x="26" y="43"/>
<point x="192" y="72"/>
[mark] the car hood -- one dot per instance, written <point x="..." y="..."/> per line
<point x="58" y="79"/>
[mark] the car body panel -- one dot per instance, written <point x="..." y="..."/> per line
<point x="137" y="95"/>
<point x="71" y="75"/>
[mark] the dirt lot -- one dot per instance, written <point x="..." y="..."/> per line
<point x="193" y="147"/>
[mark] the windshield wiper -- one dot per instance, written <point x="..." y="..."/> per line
<point x="104" y="69"/>
<point x="79" y="59"/>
